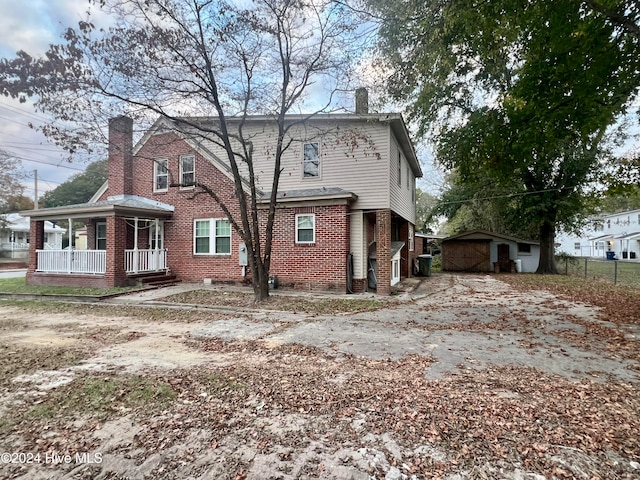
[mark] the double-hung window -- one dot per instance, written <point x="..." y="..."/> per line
<point x="101" y="236"/>
<point x="311" y="161"/>
<point x="305" y="228"/>
<point x="160" y="175"/>
<point x="212" y="236"/>
<point x="187" y="171"/>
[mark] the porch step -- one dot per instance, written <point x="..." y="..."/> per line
<point x="155" y="279"/>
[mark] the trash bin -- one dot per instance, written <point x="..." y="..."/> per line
<point x="425" y="261"/>
<point x="611" y="255"/>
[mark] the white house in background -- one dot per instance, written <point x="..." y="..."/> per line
<point x="610" y="235"/>
<point x="14" y="236"/>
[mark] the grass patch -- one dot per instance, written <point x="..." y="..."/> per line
<point x="20" y="360"/>
<point x="18" y="285"/>
<point x="628" y="273"/>
<point x="105" y="397"/>
<point x="287" y="303"/>
<point x="619" y="303"/>
<point x="150" y="314"/>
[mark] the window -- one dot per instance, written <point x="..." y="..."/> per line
<point x="160" y="175"/>
<point x="407" y="177"/>
<point x="305" y="228"/>
<point x="311" y="161"/>
<point x="524" y="248"/>
<point x="399" y="169"/>
<point x="187" y="171"/>
<point x="101" y="236"/>
<point x="576" y="246"/>
<point x="212" y="236"/>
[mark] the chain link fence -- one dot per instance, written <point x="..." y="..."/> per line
<point x="618" y="272"/>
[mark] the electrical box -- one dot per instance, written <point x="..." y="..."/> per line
<point x="243" y="258"/>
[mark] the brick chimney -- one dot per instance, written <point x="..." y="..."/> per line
<point x="362" y="101"/>
<point x="120" y="156"/>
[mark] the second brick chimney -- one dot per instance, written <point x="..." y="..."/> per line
<point x="120" y="156"/>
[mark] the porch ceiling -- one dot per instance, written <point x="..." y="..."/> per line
<point x="123" y="205"/>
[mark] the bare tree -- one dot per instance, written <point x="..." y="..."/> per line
<point x="183" y="60"/>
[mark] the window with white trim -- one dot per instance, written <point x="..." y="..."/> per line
<point x="212" y="236"/>
<point x="576" y="246"/>
<point x="311" y="160"/>
<point x="101" y="236"/>
<point x="305" y="228"/>
<point x="161" y="175"/>
<point x="187" y="171"/>
<point x="399" y="169"/>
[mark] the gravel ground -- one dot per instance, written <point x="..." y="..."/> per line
<point x="458" y="376"/>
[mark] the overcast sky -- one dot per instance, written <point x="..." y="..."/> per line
<point x="32" y="25"/>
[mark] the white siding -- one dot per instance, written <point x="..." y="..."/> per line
<point x="357" y="155"/>
<point x="358" y="244"/>
<point x="402" y="199"/>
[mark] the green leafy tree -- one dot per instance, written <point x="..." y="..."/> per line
<point x="519" y="92"/>
<point x="425" y="204"/>
<point x="11" y="187"/>
<point x="79" y="188"/>
<point x="182" y="59"/>
<point x="16" y="203"/>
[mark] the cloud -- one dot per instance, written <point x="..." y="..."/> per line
<point x="35" y="24"/>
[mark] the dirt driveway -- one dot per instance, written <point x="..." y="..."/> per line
<point x="463" y="377"/>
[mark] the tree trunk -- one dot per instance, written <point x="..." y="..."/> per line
<point x="547" y="263"/>
<point x="260" y="281"/>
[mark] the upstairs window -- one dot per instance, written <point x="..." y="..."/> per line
<point x="399" y="169"/>
<point x="311" y="161"/>
<point x="305" y="228"/>
<point x="187" y="171"/>
<point x="161" y="175"/>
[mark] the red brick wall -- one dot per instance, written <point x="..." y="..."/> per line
<point x="36" y="242"/>
<point x="321" y="265"/>
<point x="120" y="144"/>
<point x="383" y="251"/>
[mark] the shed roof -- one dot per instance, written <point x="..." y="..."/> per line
<point x="484" y="235"/>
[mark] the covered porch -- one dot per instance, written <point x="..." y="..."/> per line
<point x="125" y="239"/>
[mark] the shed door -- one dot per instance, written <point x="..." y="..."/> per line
<point x="466" y="256"/>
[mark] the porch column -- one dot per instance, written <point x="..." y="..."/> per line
<point x="36" y="242"/>
<point x="156" y="258"/>
<point x="383" y="251"/>
<point x="115" y="274"/>
<point x="70" y="256"/>
<point x="135" y="245"/>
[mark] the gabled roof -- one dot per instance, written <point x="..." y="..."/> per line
<point x="394" y="120"/>
<point x="485" y="235"/>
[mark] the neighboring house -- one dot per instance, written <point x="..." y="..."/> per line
<point x="14" y="236"/>
<point x="482" y="251"/>
<point x="610" y="235"/>
<point x="345" y="217"/>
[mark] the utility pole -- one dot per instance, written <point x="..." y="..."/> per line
<point x="35" y="189"/>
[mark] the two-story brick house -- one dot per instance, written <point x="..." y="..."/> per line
<point x="345" y="217"/>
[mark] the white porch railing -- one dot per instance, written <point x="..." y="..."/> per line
<point x="72" y="261"/>
<point x="95" y="261"/>
<point x="141" y="261"/>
